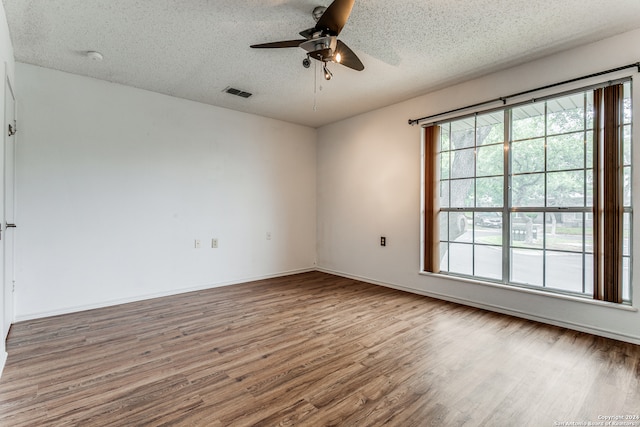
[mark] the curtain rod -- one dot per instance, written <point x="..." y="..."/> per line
<point x="503" y="99"/>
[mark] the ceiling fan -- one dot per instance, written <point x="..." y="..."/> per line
<point x="321" y="42"/>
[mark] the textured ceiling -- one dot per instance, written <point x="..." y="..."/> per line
<point x="194" y="49"/>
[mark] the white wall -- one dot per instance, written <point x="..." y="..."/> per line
<point x="116" y="183"/>
<point x="369" y="186"/>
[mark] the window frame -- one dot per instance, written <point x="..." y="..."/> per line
<point x="508" y="209"/>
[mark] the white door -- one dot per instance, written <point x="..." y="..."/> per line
<point x="8" y="211"/>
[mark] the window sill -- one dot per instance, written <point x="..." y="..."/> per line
<point x="530" y="291"/>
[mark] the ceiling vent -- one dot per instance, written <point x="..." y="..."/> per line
<point x="237" y="92"/>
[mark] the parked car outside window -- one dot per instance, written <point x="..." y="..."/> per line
<point x="488" y="219"/>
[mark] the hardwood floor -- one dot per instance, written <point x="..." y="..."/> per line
<point x="311" y="349"/>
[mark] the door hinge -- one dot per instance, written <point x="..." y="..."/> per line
<point x="13" y="128"/>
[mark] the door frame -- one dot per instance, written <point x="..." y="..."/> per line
<point x="8" y="253"/>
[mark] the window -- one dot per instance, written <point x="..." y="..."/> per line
<point x="529" y="196"/>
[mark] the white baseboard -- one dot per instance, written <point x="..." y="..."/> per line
<point x="75" y="309"/>
<point x="495" y="308"/>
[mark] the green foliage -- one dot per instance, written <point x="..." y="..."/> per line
<point x="555" y="141"/>
<point x="550" y="155"/>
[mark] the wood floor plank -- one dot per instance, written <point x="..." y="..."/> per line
<point x="310" y="349"/>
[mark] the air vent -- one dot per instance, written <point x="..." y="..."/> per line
<point x="237" y="92"/>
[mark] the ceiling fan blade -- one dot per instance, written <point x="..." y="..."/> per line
<point x="348" y="58"/>
<point x="334" y="18"/>
<point x="272" y="45"/>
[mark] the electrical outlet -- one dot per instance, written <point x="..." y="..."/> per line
<point x="214" y="243"/>
<point x="383" y="241"/>
<point x="197" y="244"/>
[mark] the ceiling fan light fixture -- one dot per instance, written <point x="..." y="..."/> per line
<point x="338" y="57"/>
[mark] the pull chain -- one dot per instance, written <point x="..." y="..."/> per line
<point x="315" y="86"/>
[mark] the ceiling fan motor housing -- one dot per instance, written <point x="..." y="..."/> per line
<point x="322" y="43"/>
